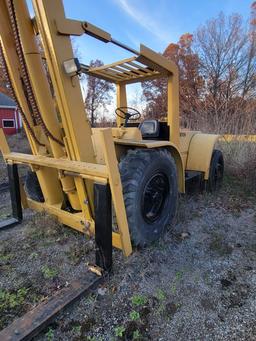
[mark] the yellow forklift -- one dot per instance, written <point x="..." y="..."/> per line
<point x="78" y="174"/>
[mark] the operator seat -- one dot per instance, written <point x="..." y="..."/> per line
<point x="150" y="129"/>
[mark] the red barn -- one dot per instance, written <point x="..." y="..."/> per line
<point x="10" y="119"/>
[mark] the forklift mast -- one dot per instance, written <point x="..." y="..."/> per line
<point x="69" y="158"/>
<point x="62" y="130"/>
<point x="54" y="118"/>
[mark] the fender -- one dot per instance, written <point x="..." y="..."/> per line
<point x="200" y="153"/>
<point x="152" y="144"/>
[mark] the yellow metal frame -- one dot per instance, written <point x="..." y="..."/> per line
<point x="147" y="65"/>
<point x="242" y="138"/>
<point x="108" y="173"/>
<point x="205" y="144"/>
<point x="80" y="156"/>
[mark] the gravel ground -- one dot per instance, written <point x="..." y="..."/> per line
<point x="17" y="143"/>
<point x="197" y="283"/>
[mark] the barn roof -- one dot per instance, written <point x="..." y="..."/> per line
<point x="6" y="101"/>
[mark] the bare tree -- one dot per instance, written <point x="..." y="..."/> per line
<point x="98" y="94"/>
<point x="249" y="83"/>
<point x="226" y="48"/>
<point x="217" y="67"/>
<point x="155" y="92"/>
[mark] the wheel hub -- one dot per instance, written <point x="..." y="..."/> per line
<point x="154" y="197"/>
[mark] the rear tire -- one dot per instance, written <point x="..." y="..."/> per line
<point x="32" y="187"/>
<point x="216" y="172"/>
<point x="150" y="189"/>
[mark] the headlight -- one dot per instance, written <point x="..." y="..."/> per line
<point x="72" y="66"/>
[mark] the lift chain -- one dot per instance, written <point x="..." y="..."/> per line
<point x="8" y="78"/>
<point x="36" y="115"/>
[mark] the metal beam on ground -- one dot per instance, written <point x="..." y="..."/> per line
<point x="33" y="322"/>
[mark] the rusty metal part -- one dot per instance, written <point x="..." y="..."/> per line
<point x="30" y="94"/>
<point x="33" y="322"/>
<point x="95" y="269"/>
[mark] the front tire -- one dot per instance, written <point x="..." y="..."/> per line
<point x="32" y="187"/>
<point x="150" y="189"/>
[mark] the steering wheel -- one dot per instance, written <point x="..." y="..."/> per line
<point x="128" y="113"/>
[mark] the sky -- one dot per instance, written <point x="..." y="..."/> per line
<point x="155" y="23"/>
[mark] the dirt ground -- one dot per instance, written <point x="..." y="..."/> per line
<point x="197" y="283"/>
<point x="17" y="143"/>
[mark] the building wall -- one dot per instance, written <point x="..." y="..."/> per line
<point x="9" y="120"/>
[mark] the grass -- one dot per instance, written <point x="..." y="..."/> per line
<point x="50" y="334"/>
<point x="161" y="295"/>
<point x="6" y="257"/>
<point x="233" y="196"/>
<point x="78" y="252"/>
<point x="41" y="227"/>
<point x="134" y="315"/>
<point x="49" y="273"/>
<point x="77" y="329"/>
<point x="176" y="280"/>
<point x="119" y="331"/>
<point x="139" y="300"/>
<point x="12" y="303"/>
<point x="134" y="326"/>
<point x="218" y="245"/>
<point x="12" y="299"/>
<point x="136" y="334"/>
<point x="234" y="185"/>
<point x="240" y="161"/>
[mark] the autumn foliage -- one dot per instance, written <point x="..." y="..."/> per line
<point x="217" y="68"/>
<point x="217" y="71"/>
<point x="98" y="96"/>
